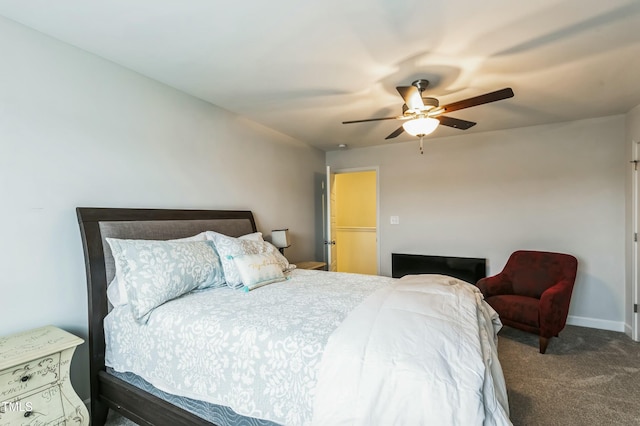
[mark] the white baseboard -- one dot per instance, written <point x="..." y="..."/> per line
<point x="596" y="323"/>
<point x="628" y="330"/>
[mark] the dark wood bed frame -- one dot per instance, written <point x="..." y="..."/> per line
<point x="108" y="391"/>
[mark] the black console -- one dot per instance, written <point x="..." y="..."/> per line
<point x="469" y="269"/>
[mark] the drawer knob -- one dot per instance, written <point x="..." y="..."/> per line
<point x="24" y="378"/>
<point x="28" y="413"/>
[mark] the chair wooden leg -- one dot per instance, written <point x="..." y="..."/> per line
<point x="544" y="342"/>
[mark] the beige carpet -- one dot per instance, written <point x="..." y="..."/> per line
<point x="587" y="377"/>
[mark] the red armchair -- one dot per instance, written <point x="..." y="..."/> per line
<point x="533" y="292"/>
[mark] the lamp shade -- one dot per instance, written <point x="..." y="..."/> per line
<point x="420" y="126"/>
<point x="280" y="238"/>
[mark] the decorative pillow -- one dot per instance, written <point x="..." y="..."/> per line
<point x="228" y="247"/>
<point x="154" y="272"/>
<point x="117" y="293"/>
<point x="257" y="270"/>
<point x="256" y="236"/>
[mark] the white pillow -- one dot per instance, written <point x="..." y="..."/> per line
<point x="117" y="294"/>
<point x="257" y="270"/>
<point x="256" y="236"/>
<point x="155" y="272"/>
<point x="228" y="247"/>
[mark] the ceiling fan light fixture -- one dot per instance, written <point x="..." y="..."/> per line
<point x="420" y="126"/>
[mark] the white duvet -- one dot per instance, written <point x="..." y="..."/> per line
<point x="419" y="352"/>
<point x="327" y="348"/>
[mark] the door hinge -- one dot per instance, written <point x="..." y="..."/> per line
<point x="635" y="237"/>
<point x="635" y="164"/>
<point x="635" y="308"/>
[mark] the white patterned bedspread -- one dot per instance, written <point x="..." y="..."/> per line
<point x="256" y="352"/>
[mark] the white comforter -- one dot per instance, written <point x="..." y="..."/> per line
<point x="418" y="352"/>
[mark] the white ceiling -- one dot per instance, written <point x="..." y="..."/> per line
<point x="303" y="67"/>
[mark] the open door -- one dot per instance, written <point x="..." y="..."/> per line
<point x="330" y="219"/>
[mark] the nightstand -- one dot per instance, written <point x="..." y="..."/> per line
<point x="311" y="265"/>
<point x="34" y="379"/>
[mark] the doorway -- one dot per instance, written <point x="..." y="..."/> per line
<point x="352" y="221"/>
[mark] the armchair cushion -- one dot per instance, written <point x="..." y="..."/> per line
<point x="521" y="309"/>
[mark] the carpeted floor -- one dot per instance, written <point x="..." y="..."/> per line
<point x="587" y="377"/>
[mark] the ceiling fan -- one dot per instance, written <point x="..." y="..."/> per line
<point x="422" y="115"/>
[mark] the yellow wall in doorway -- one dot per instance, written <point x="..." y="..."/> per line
<point x="356" y="199"/>
<point x="356" y="211"/>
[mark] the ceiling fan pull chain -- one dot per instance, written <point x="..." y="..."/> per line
<point x="421" y="150"/>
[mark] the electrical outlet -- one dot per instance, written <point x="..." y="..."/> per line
<point x="395" y="220"/>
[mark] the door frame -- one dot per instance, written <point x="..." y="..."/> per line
<point x="635" y="253"/>
<point x="329" y="231"/>
<point x="367" y="169"/>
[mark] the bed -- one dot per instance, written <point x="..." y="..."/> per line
<point x="313" y="348"/>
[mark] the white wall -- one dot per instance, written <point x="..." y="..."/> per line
<point x="76" y="130"/>
<point x="558" y="187"/>
<point x="632" y="138"/>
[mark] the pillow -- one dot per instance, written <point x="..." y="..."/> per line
<point x="117" y="294"/>
<point x="257" y="270"/>
<point x="256" y="236"/>
<point x="154" y="272"/>
<point x="228" y="247"/>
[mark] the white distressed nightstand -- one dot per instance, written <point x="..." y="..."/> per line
<point x="311" y="265"/>
<point x="34" y="379"/>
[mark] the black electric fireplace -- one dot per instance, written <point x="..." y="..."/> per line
<point x="469" y="269"/>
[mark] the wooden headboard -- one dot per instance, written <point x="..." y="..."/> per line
<point x="96" y="224"/>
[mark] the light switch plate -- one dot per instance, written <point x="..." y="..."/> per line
<point x="395" y="220"/>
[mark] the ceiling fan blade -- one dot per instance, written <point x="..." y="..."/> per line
<point x="397" y="132"/>
<point x="498" y="95"/>
<point x="456" y="123"/>
<point x="411" y="96"/>
<point x="369" y="119"/>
